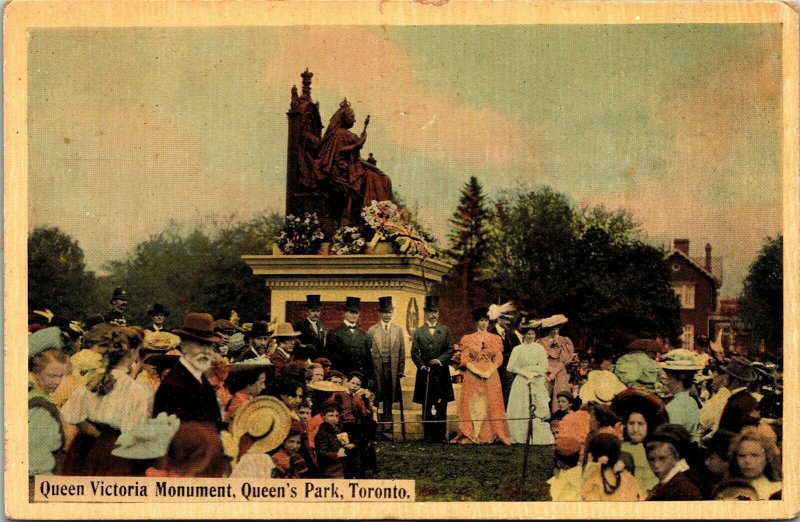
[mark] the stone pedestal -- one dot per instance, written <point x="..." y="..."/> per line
<point x="290" y="278"/>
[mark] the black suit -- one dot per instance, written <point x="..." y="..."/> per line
<point x="510" y="341"/>
<point x="309" y="336"/>
<point x="351" y="350"/>
<point x="433" y="389"/>
<point x="183" y="395"/>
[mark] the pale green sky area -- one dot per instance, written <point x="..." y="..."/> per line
<point x="130" y="128"/>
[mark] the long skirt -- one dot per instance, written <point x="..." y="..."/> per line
<point x="91" y="456"/>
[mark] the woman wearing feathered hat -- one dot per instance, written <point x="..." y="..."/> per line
<point x="528" y="362"/>
<point x="560" y="352"/>
<point x="483" y="418"/>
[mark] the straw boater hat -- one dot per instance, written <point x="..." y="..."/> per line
<point x="283" y="330"/>
<point x="680" y="361"/>
<point x="740" y="368"/>
<point x="250" y="364"/>
<point x="327" y="386"/>
<point x="554" y="320"/>
<point x="198" y="327"/>
<point x="149" y="440"/>
<point x="265" y="419"/>
<point x="160" y="341"/>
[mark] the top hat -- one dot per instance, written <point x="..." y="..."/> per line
<point x="431" y="303"/>
<point x="353" y="304"/>
<point x="479" y="313"/>
<point x="740" y="368"/>
<point x="259" y="329"/>
<point x="313" y="302"/>
<point x="284" y="330"/>
<point x="198" y="327"/>
<point x="385" y="304"/>
<point x="158" y="308"/>
<point x="119" y="293"/>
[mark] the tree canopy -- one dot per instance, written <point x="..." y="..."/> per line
<point x="57" y="275"/>
<point x="762" y="298"/>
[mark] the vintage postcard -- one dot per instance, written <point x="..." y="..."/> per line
<point x="401" y="259"/>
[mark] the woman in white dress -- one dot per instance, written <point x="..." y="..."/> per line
<point x="529" y="363"/>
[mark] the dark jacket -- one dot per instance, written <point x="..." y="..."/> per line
<point x="679" y="487"/>
<point x="327" y="446"/>
<point x="351" y="351"/>
<point x="308" y="336"/>
<point x="741" y="410"/>
<point x="425" y="347"/>
<point x="181" y="394"/>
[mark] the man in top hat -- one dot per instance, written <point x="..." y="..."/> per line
<point x="741" y="409"/>
<point x="504" y="327"/>
<point x="431" y="351"/>
<point x="119" y="303"/>
<point x="388" y="358"/>
<point x="157" y="315"/>
<point x="349" y="347"/>
<point x="256" y="341"/>
<point x="312" y="332"/>
<point x="186" y="391"/>
<point x="284" y="336"/>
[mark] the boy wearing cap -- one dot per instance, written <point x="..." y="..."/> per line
<point x="388" y="358"/>
<point x="349" y="347"/>
<point x="328" y="442"/>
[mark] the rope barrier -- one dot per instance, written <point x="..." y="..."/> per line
<point x="467" y="420"/>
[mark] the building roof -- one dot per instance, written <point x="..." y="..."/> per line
<point x="716" y="265"/>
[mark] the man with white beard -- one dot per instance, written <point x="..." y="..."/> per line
<point x="185" y="391"/>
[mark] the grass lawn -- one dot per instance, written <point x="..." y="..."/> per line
<point x="454" y="472"/>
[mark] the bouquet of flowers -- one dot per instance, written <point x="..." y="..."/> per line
<point x="348" y="240"/>
<point x="301" y="235"/>
<point x="389" y="222"/>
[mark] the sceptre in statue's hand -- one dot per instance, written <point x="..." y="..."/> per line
<point x="366" y="122"/>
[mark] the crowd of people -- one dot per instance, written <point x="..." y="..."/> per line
<point x="213" y="398"/>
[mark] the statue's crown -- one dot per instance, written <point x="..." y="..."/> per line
<point x="344" y="103"/>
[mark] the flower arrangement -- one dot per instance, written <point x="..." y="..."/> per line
<point x="301" y="235"/>
<point x="389" y="222"/>
<point x="348" y="240"/>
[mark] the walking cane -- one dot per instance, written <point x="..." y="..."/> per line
<point x="527" y="441"/>
<point x="402" y="410"/>
<point x="427" y="412"/>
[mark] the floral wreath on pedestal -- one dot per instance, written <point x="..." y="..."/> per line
<point x="348" y="240"/>
<point x="301" y="235"/>
<point x="391" y="223"/>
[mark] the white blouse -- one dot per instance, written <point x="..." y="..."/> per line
<point x="125" y="407"/>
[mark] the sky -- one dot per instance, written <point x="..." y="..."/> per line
<point x="131" y="129"/>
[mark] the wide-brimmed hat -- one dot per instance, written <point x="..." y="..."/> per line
<point x="740" y="368"/>
<point x="223" y="325"/>
<point x="283" y="330"/>
<point x="50" y="338"/>
<point x="680" y="360"/>
<point x="313" y="302"/>
<point x="198" y="327"/>
<point x="480" y="312"/>
<point x="554" y="320"/>
<point x="158" y="308"/>
<point x="258" y="329"/>
<point x="674" y="434"/>
<point x="149" y="440"/>
<point x="352" y="304"/>
<point x="160" y="341"/>
<point x="533" y="324"/>
<point x="265" y="419"/>
<point x="431" y="303"/>
<point x="385" y="304"/>
<point x="253" y="363"/>
<point x="645" y="345"/>
<point x="86" y="360"/>
<point x="119" y="293"/>
<point x="327" y="386"/>
<point x="648" y="405"/>
<point x="601" y="386"/>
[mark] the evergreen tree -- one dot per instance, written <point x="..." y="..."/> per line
<point x="468" y="235"/>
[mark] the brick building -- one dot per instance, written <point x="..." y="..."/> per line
<point x="696" y="282"/>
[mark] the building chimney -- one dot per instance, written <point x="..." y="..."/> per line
<point x="708" y="257"/>
<point x="682" y="245"/>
